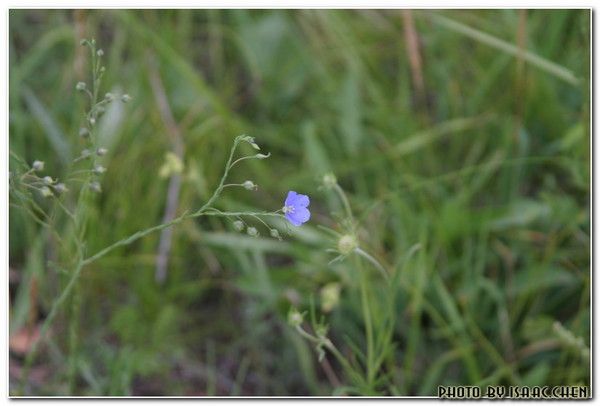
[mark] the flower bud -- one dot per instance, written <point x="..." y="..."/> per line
<point x="38" y="165"/>
<point x="80" y="86"/>
<point x="92" y="120"/>
<point x="100" y="52"/>
<point x="274" y="233"/>
<point x="249" y="185"/>
<point x="48" y="180"/>
<point x="330" y="296"/>
<point x="329" y="180"/>
<point x="238" y="225"/>
<point x="252" y="232"/>
<point x="295" y="318"/>
<point x="109" y="96"/>
<point x="46" y="192"/>
<point x="99" y="169"/>
<point x="95" y="187"/>
<point x="126" y="98"/>
<point x="101" y="151"/>
<point x="262" y="156"/>
<point x="250" y="140"/>
<point x="347" y="244"/>
<point x="321" y="331"/>
<point x="84" y="132"/>
<point x="85" y="153"/>
<point x="61" y="188"/>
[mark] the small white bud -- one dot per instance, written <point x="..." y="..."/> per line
<point x="46" y="192"/>
<point x="85" y="153"/>
<point x="80" y="86"/>
<point x="47" y="180"/>
<point x="249" y="185"/>
<point x="238" y="225"/>
<point x="38" y="165"/>
<point x="101" y="151"/>
<point x="249" y="140"/>
<point x="99" y="52"/>
<point x="84" y="132"/>
<point x="92" y="120"/>
<point x="329" y="180"/>
<point x="102" y="69"/>
<point x="109" y="96"/>
<point x="262" y="156"/>
<point x="274" y="233"/>
<point x="61" y="188"/>
<point x="99" y="169"/>
<point x="95" y="186"/>
<point x="252" y="232"/>
<point x="126" y="98"/>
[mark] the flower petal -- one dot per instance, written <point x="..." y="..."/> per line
<point x="291" y="197"/>
<point x="292" y="220"/>
<point x="299" y="216"/>
<point x="301" y="201"/>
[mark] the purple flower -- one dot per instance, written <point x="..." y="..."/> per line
<point x="295" y="208"/>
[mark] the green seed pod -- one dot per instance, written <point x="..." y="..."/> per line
<point x="347" y="244"/>
<point x="295" y="318"/>
<point x="329" y="180"/>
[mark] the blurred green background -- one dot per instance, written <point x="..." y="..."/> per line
<point x="464" y="131"/>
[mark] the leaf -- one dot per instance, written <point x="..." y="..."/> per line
<point x="54" y="134"/>
<point x="521" y="213"/>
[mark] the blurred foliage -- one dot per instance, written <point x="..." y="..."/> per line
<point x="439" y="138"/>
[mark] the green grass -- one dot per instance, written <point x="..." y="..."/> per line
<point x="472" y="192"/>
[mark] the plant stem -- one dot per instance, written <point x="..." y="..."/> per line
<point x="345" y="202"/>
<point x="366" y="308"/>
<point x="373" y="261"/>
<point x="79" y="221"/>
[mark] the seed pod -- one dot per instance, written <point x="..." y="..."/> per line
<point x="347" y="244"/>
